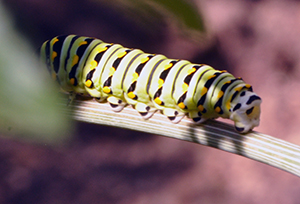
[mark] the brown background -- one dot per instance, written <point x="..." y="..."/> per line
<point x="258" y="40"/>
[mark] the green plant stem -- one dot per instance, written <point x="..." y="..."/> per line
<point x="257" y="146"/>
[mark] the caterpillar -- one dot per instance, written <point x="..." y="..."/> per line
<point x="149" y="82"/>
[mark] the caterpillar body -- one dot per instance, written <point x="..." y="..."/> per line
<point x="149" y="82"/>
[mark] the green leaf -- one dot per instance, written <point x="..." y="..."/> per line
<point x="185" y="12"/>
<point x="28" y="99"/>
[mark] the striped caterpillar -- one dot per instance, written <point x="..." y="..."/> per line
<point x="149" y="82"/>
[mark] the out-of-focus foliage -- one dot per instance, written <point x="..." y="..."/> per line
<point x="185" y="14"/>
<point x="28" y="101"/>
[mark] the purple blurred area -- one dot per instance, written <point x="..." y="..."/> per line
<point x="257" y="40"/>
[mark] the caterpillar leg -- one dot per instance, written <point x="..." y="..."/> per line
<point x="196" y="116"/>
<point x="99" y="99"/>
<point x="174" y="115"/>
<point x="145" y="110"/>
<point x="116" y="104"/>
<point x="72" y="96"/>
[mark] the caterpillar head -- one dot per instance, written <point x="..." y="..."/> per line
<point x="246" y="111"/>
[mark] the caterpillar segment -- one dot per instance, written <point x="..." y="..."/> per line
<point x="149" y="82"/>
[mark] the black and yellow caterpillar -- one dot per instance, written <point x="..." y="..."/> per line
<point x="149" y="82"/>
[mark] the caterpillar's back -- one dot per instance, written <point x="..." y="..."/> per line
<point x="149" y="82"/>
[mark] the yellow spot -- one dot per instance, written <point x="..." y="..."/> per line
<point x="181" y="105"/>
<point x="94" y="64"/>
<point x="212" y="76"/>
<point x="160" y="83"/>
<point x="185" y="87"/>
<point x="228" y="105"/>
<point x="238" y="89"/>
<point x="227" y="82"/>
<point x="135" y="76"/>
<point x="200" y="108"/>
<point x="204" y="91"/>
<point x="102" y="49"/>
<point x="75" y="60"/>
<point x="72" y="81"/>
<point x="88" y="83"/>
<point x="106" y="89"/>
<point x="54" y="54"/>
<point x="168" y="66"/>
<point x="121" y="54"/>
<point x="54" y="41"/>
<point x="111" y="71"/>
<point x="131" y="95"/>
<point x="220" y="94"/>
<point x="248" y="86"/>
<point x="144" y="59"/>
<point x="223" y="71"/>
<point x="158" y="101"/>
<point x="82" y="43"/>
<point x="54" y="76"/>
<point x="218" y="109"/>
<point x="191" y="71"/>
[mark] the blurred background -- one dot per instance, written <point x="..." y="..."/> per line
<point x="47" y="158"/>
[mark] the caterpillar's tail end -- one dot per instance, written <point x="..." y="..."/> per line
<point x="246" y="113"/>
